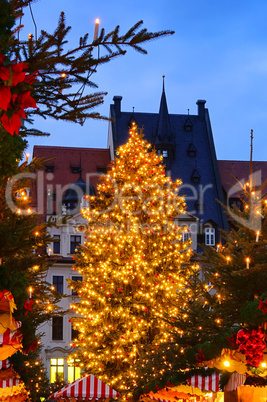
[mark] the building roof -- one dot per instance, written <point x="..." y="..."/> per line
<point x="63" y="168"/>
<point x="230" y="169"/>
<point x="182" y="166"/>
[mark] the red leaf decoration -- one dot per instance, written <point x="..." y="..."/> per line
<point x="18" y="73"/>
<point x="5" y="97"/>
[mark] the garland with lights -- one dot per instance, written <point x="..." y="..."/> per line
<point x="134" y="266"/>
<point x="224" y="323"/>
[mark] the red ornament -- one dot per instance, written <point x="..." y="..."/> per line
<point x="200" y="356"/>
<point x="262" y="306"/>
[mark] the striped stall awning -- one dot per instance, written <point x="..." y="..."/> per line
<point x="86" y="387"/>
<point x="4" y="364"/>
<point x="14" y="382"/>
<point x="209" y="383"/>
<point x="9" y="336"/>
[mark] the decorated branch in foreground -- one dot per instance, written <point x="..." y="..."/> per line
<point x="61" y="90"/>
<point x="15" y="93"/>
<point x="133" y="266"/>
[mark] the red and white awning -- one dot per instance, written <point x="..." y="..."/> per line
<point x="86" y="387"/>
<point x="209" y="383"/>
<point x="13" y="382"/>
<point x="4" y="364"/>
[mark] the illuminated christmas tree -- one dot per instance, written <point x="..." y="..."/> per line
<point x="41" y="75"/>
<point x="133" y="265"/>
<point x="224" y="325"/>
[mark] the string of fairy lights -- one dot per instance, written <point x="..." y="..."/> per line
<point x="131" y="265"/>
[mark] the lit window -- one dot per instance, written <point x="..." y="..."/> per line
<point x="165" y="153"/>
<point x="76" y="279"/>
<point x="74" y="370"/>
<point x="58" y="283"/>
<point x="57" y="370"/>
<point x="75" y="242"/>
<point x="56" y="244"/>
<point x="57" y="328"/>
<point x="210" y="236"/>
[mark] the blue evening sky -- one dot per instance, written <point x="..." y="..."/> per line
<point x="218" y="53"/>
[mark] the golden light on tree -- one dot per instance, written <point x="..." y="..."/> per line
<point x="132" y="265"/>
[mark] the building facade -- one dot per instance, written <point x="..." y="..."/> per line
<point x="186" y="144"/>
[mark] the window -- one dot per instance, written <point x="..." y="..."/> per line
<point x="210" y="236"/>
<point x="101" y="170"/>
<point x="76" y="279"/>
<point x="75" y="169"/>
<point x="165" y="153"/>
<point x="74" y="371"/>
<point x="56" y="246"/>
<point x="236" y="202"/>
<point x="57" y="328"/>
<point x="75" y="242"/>
<point x="74" y="333"/>
<point x="186" y="235"/>
<point x="57" y="370"/>
<point x="58" y="283"/>
<point x="49" y="168"/>
<point x="195" y="178"/>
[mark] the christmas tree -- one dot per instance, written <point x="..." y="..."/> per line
<point x="64" y="72"/>
<point x="223" y="323"/>
<point x="230" y="307"/>
<point x="133" y="266"/>
<point x="235" y="275"/>
<point x="40" y="76"/>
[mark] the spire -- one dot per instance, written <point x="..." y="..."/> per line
<point x="163" y="133"/>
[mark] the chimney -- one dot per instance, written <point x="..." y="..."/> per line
<point x="201" y="108"/>
<point x="117" y="105"/>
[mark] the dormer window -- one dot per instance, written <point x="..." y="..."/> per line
<point x="75" y="169"/>
<point x="192" y="151"/>
<point x="195" y="178"/>
<point x="188" y="126"/>
<point x="49" y="168"/>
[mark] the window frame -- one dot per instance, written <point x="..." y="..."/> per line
<point x="74" y="243"/>
<point x="56" y="244"/>
<point x="57" y="328"/>
<point x="58" y="284"/>
<point x="76" y="370"/>
<point x="56" y="366"/>
<point x="76" y="278"/>
<point x="210" y="236"/>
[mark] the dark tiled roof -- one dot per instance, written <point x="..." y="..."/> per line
<point x="182" y="166"/>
